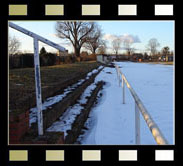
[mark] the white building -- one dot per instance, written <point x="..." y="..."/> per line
<point x="61" y="53"/>
<point x="103" y="59"/>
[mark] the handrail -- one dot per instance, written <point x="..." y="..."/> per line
<point x="157" y="134"/>
<point x="36" y="39"/>
<point x="34" y="35"/>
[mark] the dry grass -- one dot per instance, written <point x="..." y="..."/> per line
<point x="163" y="63"/>
<point x="22" y="83"/>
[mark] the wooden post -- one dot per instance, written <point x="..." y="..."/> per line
<point x="38" y="87"/>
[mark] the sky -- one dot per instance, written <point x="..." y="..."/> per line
<point x="139" y="31"/>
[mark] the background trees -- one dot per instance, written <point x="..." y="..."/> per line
<point x="47" y="58"/>
<point x="127" y="44"/>
<point x="94" y="40"/>
<point x="116" y="45"/>
<point x="165" y="51"/>
<point x="152" y="46"/>
<point x="13" y="45"/>
<point x="76" y="32"/>
<point x="102" y="48"/>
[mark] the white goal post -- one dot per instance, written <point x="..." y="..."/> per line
<point x="36" y="39"/>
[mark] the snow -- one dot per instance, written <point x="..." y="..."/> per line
<point x="58" y="98"/>
<point x="66" y="120"/>
<point x="112" y="123"/>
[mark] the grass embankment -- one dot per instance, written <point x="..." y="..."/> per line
<point x="22" y="81"/>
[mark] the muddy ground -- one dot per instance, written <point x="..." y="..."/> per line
<point x="53" y="80"/>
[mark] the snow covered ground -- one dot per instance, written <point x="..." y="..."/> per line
<point x="66" y="120"/>
<point x="112" y="123"/>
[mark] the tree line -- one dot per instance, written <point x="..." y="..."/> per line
<point x="86" y="35"/>
<point x="24" y="60"/>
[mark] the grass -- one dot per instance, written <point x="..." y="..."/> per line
<point x="22" y="81"/>
<point x="163" y="63"/>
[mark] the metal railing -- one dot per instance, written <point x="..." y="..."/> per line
<point x="139" y="107"/>
<point x="36" y="39"/>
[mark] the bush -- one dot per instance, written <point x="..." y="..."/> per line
<point x="48" y="59"/>
<point x="21" y="61"/>
<point x="86" y="57"/>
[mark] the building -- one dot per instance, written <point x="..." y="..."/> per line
<point x="168" y="58"/>
<point x="137" y="57"/>
<point x="62" y="54"/>
<point x="103" y="58"/>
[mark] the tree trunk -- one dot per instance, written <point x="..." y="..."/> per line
<point x="77" y="53"/>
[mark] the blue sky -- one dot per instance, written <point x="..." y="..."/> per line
<point x="163" y="31"/>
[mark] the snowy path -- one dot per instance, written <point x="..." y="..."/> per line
<point x="111" y="122"/>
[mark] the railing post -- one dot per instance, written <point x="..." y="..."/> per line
<point x="118" y="74"/>
<point x="139" y="107"/>
<point x="38" y="87"/>
<point x="116" y="71"/>
<point x="119" y="79"/>
<point x="123" y="89"/>
<point x="137" y="125"/>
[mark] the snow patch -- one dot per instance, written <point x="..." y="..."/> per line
<point x="66" y="120"/>
<point x="58" y="98"/>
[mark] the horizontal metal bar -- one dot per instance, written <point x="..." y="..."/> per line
<point x="157" y="134"/>
<point x="40" y="38"/>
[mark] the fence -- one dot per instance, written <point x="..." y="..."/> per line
<point x="37" y="38"/>
<point x="139" y="107"/>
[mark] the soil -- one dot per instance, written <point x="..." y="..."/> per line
<point x="53" y="80"/>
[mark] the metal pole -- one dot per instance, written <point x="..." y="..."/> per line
<point x="137" y="125"/>
<point x="38" y="87"/>
<point x="123" y="89"/>
<point x="119" y="79"/>
<point x="33" y="35"/>
<point x="116" y="71"/>
<point x="157" y="134"/>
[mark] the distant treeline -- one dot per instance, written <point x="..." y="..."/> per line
<point x="25" y="60"/>
<point x="48" y="59"/>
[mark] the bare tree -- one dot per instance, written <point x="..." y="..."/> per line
<point x="94" y="40"/>
<point x="13" y="45"/>
<point x="127" y="44"/>
<point x="166" y="52"/>
<point x="76" y="32"/>
<point x="152" y="46"/>
<point x="102" y="48"/>
<point x="116" y="45"/>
